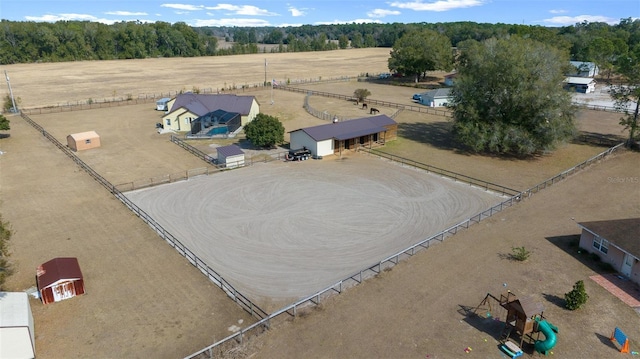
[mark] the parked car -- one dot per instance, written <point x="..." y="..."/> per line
<point x="384" y="75"/>
<point x="417" y="96"/>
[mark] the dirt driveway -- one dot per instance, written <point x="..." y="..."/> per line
<point x="144" y="300"/>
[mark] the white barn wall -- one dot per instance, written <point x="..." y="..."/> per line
<point x="299" y="139"/>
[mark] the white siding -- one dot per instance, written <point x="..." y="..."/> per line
<point x="232" y="161"/>
<point x="299" y="139"/>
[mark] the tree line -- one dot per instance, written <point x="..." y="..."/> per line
<point x="25" y="42"/>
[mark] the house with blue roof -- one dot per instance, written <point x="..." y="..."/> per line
<point x="340" y="136"/>
<point x="187" y="107"/>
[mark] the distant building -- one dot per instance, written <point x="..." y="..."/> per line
<point x="449" y="78"/>
<point x="436" y="98"/>
<point x="584" y="69"/>
<point x="580" y="84"/>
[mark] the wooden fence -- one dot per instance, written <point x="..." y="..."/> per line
<point x="218" y="280"/>
<point x="421" y="109"/>
<point x="219" y="348"/>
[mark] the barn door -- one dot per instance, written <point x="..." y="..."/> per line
<point x="63" y="291"/>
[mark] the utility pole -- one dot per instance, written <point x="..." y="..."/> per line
<point x="14" y="109"/>
<point x="265" y="72"/>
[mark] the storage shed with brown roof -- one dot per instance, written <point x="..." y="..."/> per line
<point x="59" y="279"/>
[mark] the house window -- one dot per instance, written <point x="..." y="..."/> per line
<point x="601" y="244"/>
<point x="168" y="122"/>
<point x="187" y="120"/>
<point x="88" y="141"/>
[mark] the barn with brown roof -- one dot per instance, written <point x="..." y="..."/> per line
<point x="59" y="279"/>
<point x="337" y="137"/>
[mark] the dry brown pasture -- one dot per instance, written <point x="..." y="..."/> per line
<point x="144" y="300"/>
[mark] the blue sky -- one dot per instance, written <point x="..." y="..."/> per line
<point x="307" y="12"/>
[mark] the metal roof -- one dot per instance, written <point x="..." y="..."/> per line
<point x="203" y="104"/>
<point x="14" y="309"/>
<point x="579" y="80"/>
<point x="439" y="93"/>
<point x="349" y="129"/>
<point x="231" y="150"/>
<point x="623" y="233"/>
<point x="58" y="269"/>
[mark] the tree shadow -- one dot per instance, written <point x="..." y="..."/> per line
<point x="4" y="135"/>
<point x="437" y="134"/>
<point x="597" y="139"/>
<point x="554" y="299"/>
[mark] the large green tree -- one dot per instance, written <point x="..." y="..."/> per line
<point x="4" y="123"/>
<point x="265" y="131"/>
<point x="508" y="97"/>
<point x="419" y="51"/>
<point x="5" y="266"/>
<point x="626" y="95"/>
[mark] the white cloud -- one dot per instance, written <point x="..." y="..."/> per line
<point x="439" y="5"/>
<point x="572" y="20"/>
<point x="126" y="13"/>
<point x="230" y="22"/>
<point x="382" y="13"/>
<point x="557" y="11"/>
<point x="249" y="10"/>
<point x="186" y="7"/>
<point x="354" y="21"/>
<point x="70" y="17"/>
<point x="296" y="12"/>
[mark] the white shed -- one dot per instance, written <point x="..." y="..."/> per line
<point x="580" y="84"/>
<point x="436" y="98"/>
<point x="17" y="337"/>
<point x="162" y="104"/>
<point x="231" y="156"/>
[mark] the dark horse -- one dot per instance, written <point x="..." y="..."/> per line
<point x="364" y="105"/>
<point x="374" y="110"/>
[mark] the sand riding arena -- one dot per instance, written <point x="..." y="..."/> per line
<point x="280" y="231"/>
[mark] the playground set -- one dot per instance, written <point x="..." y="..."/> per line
<point x="524" y="320"/>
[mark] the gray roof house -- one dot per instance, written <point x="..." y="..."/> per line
<point x="616" y="242"/>
<point x="335" y="137"/>
<point x="185" y="108"/>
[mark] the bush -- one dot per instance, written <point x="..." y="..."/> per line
<point x="520" y="253"/>
<point x="576" y="297"/>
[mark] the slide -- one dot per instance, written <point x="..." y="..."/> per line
<point x="549" y="330"/>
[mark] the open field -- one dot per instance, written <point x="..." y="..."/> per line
<point x="144" y="300"/>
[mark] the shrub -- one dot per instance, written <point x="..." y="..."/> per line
<point x="520" y="253"/>
<point x="576" y="297"/>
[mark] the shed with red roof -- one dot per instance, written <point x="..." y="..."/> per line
<point x="59" y="279"/>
